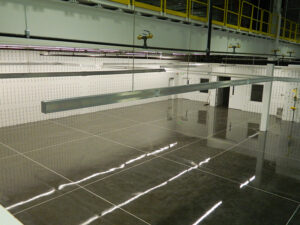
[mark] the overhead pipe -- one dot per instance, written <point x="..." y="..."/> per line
<point x="34" y="37"/>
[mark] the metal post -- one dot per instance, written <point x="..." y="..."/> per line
<point x="266" y="102"/>
<point x="209" y="27"/>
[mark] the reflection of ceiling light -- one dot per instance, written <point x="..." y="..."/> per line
<point x="207" y="213"/>
<point x="247" y="182"/>
<point x="92" y="219"/>
<point x="62" y="186"/>
<point x="154" y="188"/>
<point x="31" y="199"/>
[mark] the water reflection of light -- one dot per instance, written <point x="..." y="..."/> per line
<point x="92" y="219"/>
<point x="208" y="213"/>
<point x="31" y="199"/>
<point x="247" y="182"/>
<point x="62" y="186"/>
<point x="151" y="189"/>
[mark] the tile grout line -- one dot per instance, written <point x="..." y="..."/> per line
<point x="294" y="213"/>
<point x="48" y="146"/>
<point x="202" y="170"/>
<point x="206" y="171"/>
<point x="70" y="141"/>
<point x="198" y="136"/>
<point x="83" y="187"/>
<point x="45" y="167"/>
<point x="103" y="178"/>
<point x="138" y="123"/>
<point x="92" y="135"/>
<point x="236" y="182"/>
<point x="155" y="157"/>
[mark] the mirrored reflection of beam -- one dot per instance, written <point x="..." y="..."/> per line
<point x="76" y="74"/>
<point x="105" y="99"/>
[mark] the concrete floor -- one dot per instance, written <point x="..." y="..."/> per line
<point x="174" y="162"/>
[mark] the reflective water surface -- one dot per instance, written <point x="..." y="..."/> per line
<point x="168" y="162"/>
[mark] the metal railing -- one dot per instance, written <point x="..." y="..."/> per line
<point x="243" y="16"/>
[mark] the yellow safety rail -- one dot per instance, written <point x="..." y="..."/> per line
<point x="199" y="10"/>
<point x="149" y="6"/>
<point x="219" y="14"/>
<point x="183" y="13"/>
<point x="243" y="16"/>
<point x="233" y="14"/>
<point x="298" y="33"/>
<point x="126" y="2"/>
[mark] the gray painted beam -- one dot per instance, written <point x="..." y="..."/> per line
<point x="74" y="74"/>
<point x="105" y="99"/>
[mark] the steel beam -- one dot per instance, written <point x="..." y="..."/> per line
<point x="105" y="99"/>
<point x="75" y="74"/>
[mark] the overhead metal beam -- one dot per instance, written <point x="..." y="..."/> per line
<point x="75" y="74"/>
<point x="105" y="99"/>
<point x="287" y="79"/>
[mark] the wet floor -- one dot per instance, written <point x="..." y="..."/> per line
<point x="175" y="162"/>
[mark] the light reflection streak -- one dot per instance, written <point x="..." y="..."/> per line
<point x="153" y="188"/>
<point x="92" y="219"/>
<point x="207" y="213"/>
<point x="112" y="209"/>
<point x="247" y="182"/>
<point x="62" y="186"/>
<point x="31" y="199"/>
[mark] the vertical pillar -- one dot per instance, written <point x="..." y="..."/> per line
<point x="260" y="157"/>
<point x="210" y="8"/>
<point x="277" y="16"/>
<point x="213" y="92"/>
<point x="266" y="101"/>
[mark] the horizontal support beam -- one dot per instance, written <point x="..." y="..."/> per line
<point x="287" y="79"/>
<point x="105" y="99"/>
<point x="75" y="74"/>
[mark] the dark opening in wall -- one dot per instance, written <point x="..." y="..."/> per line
<point x="204" y="80"/>
<point x="257" y="92"/>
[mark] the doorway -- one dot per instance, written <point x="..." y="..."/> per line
<point x="223" y="93"/>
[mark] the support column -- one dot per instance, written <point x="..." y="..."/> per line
<point x="277" y="16"/>
<point x="210" y="8"/>
<point x="266" y="101"/>
<point x="260" y="157"/>
<point x="213" y="92"/>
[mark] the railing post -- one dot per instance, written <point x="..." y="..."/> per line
<point x="239" y="14"/>
<point x="261" y="20"/>
<point x="225" y="12"/>
<point x="251" y="20"/>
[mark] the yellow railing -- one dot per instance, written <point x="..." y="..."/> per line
<point x="126" y="2"/>
<point x="153" y="5"/>
<point x="243" y="16"/>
